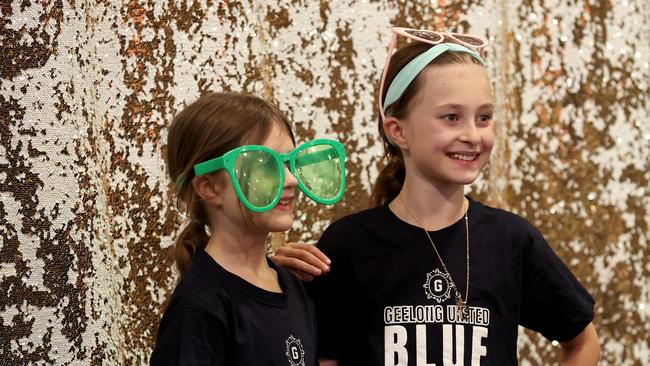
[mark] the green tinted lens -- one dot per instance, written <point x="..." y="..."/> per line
<point x="258" y="176"/>
<point x="318" y="167"/>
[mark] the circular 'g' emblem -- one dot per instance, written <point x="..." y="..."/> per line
<point x="295" y="352"/>
<point x="438" y="285"/>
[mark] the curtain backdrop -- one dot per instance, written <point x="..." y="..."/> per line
<point x="88" y="89"/>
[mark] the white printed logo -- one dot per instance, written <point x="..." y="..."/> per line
<point x="295" y="352"/>
<point x="438" y="286"/>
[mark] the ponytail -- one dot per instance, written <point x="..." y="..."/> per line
<point x="390" y="180"/>
<point x="192" y="239"/>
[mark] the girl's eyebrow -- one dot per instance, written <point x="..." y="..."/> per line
<point x="461" y="106"/>
<point x="450" y="105"/>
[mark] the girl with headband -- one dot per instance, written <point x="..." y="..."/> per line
<point x="429" y="276"/>
<point x="236" y="167"/>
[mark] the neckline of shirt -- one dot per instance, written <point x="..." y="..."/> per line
<point x="278" y="299"/>
<point x="446" y="234"/>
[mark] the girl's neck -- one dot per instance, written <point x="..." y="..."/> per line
<point x="243" y="252"/>
<point x="430" y="206"/>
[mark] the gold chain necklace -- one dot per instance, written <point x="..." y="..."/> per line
<point x="461" y="303"/>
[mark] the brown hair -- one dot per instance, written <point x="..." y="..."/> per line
<point x="391" y="177"/>
<point x="205" y="129"/>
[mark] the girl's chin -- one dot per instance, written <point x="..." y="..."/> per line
<point x="280" y="224"/>
<point x="468" y="179"/>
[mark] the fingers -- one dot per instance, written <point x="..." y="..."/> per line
<point x="311" y="249"/>
<point x="308" y="253"/>
<point x="293" y="260"/>
<point x="314" y="251"/>
<point x="292" y="265"/>
<point x="304" y="258"/>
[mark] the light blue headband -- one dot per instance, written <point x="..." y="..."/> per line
<point x="409" y="72"/>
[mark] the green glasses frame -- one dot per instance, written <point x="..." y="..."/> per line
<point x="227" y="161"/>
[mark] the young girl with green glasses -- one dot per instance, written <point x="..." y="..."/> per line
<point x="236" y="168"/>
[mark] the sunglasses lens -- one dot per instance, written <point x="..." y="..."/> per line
<point x="258" y="176"/>
<point x="318" y="167"/>
<point x="476" y="42"/>
<point x="428" y="35"/>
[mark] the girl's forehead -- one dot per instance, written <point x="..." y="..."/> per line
<point x="278" y="139"/>
<point x="451" y="72"/>
<point x="456" y="83"/>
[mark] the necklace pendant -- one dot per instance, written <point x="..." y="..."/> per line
<point x="462" y="307"/>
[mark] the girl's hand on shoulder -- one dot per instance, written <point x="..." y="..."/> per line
<point x="303" y="260"/>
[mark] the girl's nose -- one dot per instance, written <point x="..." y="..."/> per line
<point x="289" y="179"/>
<point x="470" y="133"/>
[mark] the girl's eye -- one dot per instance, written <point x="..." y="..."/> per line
<point x="450" y="117"/>
<point x="485" y="118"/>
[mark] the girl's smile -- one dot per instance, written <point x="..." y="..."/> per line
<point x="285" y="203"/>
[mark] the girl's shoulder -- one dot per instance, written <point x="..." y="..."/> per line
<point x="361" y="223"/>
<point x="368" y="215"/>
<point x="502" y="222"/>
<point x="355" y="227"/>
<point x="202" y="286"/>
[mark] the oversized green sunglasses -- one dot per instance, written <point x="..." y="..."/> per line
<point x="257" y="172"/>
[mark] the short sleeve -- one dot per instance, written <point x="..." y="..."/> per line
<point x="190" y="337"/>
<point x="554" y="303"/>
<point x="332" y="294"/>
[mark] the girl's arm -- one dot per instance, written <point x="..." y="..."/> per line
<point x="304" y="260"/>
<point x="583" y="350"/>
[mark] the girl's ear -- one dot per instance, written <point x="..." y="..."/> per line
<point x="207" y="188"/>
<point x="394" y="132"/>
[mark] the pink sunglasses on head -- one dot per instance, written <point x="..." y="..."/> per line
<point x="474" y="43"/>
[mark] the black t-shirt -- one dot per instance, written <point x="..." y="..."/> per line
<point x="387" y="299"/>
<point x="216" y="318"/>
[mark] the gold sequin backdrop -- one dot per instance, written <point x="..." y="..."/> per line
<point x="88" y="88"/>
